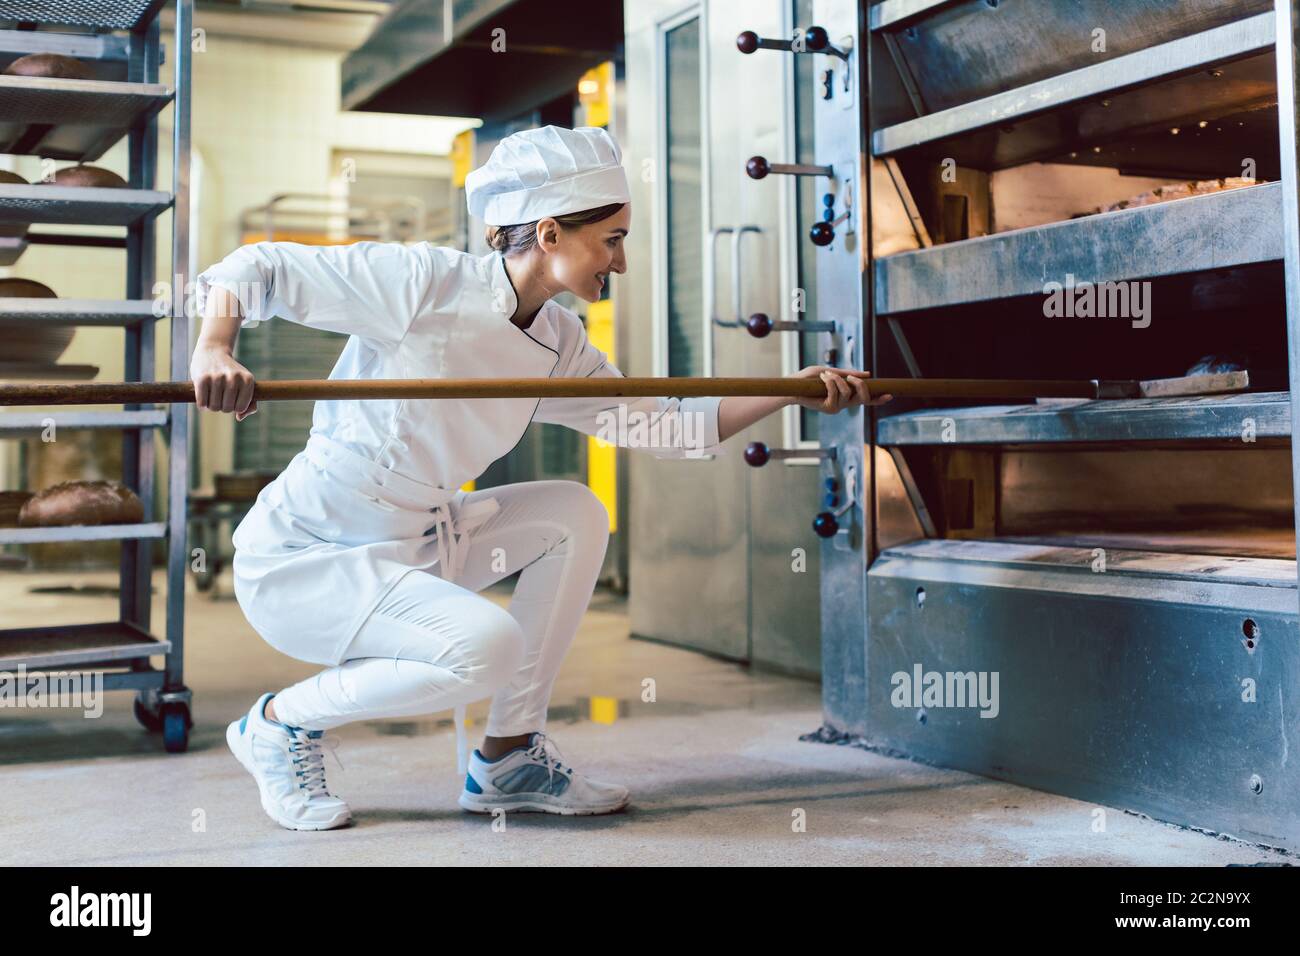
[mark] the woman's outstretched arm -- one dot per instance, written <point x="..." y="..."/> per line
<point x="845" y="388"/>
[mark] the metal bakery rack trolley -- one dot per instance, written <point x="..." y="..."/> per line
<point x="79" y="120"/>
<point x="1125" y="568"/>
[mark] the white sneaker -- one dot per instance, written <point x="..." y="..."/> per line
<point x="531" y="778"/>
<point x="288" y="764"/>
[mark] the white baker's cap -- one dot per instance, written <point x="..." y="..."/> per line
<point x="549" y="171"/>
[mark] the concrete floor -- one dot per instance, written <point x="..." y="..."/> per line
<point x="715" y="766"/>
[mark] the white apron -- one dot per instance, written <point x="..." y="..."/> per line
<point x="374" y="495"/>
<point x="329" y="538"/>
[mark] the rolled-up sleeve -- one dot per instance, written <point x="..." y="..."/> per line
<point x="369" y="289"/>
<point x="666" y="427"/>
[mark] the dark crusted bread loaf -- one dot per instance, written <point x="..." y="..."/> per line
<point x="12" y="178"/>
<point x="54" y="65"/>
<point x="82" y="502"/>
<point x="86" y="176"/>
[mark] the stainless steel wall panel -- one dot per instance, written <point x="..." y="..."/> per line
<point x="1136" y="691"/>
<point x="842" y="283"/>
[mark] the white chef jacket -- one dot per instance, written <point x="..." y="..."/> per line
<point x="352" y="513"/>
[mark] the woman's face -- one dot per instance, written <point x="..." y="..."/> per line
<point x="579" y="258"/>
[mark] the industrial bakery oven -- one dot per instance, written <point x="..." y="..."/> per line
<point x="1096" y="598"/>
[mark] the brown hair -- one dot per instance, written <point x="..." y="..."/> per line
<point x="523" y="236"/>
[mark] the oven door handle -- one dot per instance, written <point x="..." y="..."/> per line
<point x="737" y="238"/>
<point x="710" y="276"/>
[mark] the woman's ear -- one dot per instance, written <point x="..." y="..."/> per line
<point x="548" y="234"/>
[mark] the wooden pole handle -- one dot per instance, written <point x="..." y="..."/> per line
<point x="113" y="393"/>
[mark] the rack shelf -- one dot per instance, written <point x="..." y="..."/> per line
<point x="21" y="423"/>
<point x="111" y="312"/>
<point x="1217" y="231"/>
<point x="72" y="119"/>
<point x="79" y="205"/>
<point x="1208" y="417"/>
<point x="86" y="532"/>
<point x="110" y="14"/>
<point x="109" y="643"/>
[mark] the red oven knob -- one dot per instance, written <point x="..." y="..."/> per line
<point x="756" y="454"/>
<point x="758" y="168"/>
<point x="826" y="525"/>
<point x="822" y="234"/>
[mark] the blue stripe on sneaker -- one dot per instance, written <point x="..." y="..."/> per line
<point x="243" y="723"/>
<point x="472" y="785"/>
<point x="532" y="778"/>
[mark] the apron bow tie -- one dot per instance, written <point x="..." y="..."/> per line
<point x="451" y="531"/>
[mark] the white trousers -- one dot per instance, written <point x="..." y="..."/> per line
<point x="432" y="645"/>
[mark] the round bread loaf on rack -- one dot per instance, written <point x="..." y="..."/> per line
<point x="82" y="502"/>
<point x="50" y="65"/>
<point x="27" y="341"/>
<point x="24" y="289"/>
<point x="86" y="176"/>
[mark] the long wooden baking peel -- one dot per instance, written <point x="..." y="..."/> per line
<point x="111" y="393"/>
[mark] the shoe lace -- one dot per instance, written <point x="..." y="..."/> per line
<point x="308" y="755"/>
<point x="540" y="751"/>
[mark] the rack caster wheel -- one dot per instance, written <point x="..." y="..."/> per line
<point x="176" y="724"/>
<point x="149" y="719"/>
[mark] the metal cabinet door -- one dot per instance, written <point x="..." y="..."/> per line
<point x="688" y="555"/>
<point x="710" y="554"/>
